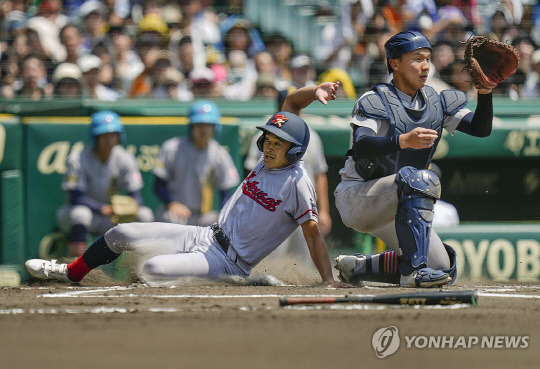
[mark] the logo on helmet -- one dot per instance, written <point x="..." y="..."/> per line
<point x="205" y="108"/>
<point x="279" y="120"/>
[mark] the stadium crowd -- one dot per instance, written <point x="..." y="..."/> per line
<point x="188" y="49"/>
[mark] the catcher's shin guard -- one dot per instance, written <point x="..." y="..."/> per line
<point x="417" y="192"/>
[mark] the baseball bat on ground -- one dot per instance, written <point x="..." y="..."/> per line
<point x="423" y="298"/>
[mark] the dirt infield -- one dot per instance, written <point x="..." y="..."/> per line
<point x="231" y="324"/>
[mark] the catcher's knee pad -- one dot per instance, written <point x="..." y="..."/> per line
<point x="452" y="271"/>
<point x="417" y="192"/>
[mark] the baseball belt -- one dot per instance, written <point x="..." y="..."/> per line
<point x="221" y="238"/>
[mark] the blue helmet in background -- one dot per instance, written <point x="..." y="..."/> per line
<point x="106" y="121"/>
<point x="204" y="111"/>
<point x="403" y="43"/>
<point x="289" y="127"/>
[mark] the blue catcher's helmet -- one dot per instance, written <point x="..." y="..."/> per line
<point x="204" y="111"/>
<point x="289" y="127"/>
<point x="403" y="43"/>
<point x="106" y="121"/>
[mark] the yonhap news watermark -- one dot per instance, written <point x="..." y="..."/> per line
<point x="387" y="340"/>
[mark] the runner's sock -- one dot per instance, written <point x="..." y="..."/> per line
<point x="97" y="254"/>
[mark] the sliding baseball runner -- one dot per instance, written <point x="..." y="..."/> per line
<point x="271" y="202"/>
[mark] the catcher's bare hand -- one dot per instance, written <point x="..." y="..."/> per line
<point x="326" y="91"/>
<point x="179" y="210"/>
<point x="418" y="138"/>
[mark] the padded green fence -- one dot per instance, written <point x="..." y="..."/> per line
<point x="12" y="222"/>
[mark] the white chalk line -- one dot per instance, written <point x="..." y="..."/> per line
<point x="508" y="295"/>
<point x="105" y="292"/>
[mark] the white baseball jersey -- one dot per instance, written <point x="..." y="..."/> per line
<point x="187" y="169"/>
<point x="266" y="209"/>
<point x="86" y="173"/>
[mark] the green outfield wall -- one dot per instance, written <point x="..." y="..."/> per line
<point x="494" y="180"/>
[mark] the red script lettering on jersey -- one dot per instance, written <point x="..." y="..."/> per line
<point x="251" y="189"/>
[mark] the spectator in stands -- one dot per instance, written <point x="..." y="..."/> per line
<point x="203" y="21"/>
<point x="10" y="64"/>
<point x="336" y="40"/>
<point x="173" y="17"/>
<point x="266" y="63"/>
<point x="34" y="78"/>
<point x="511" y="9"/>
<point x="457" y="76"/>
<point x="67" y="81"/>
<point x="94" y="30"/>
<point x="52" y="11"/>
<point x="171" y="84"/>
<point x="239" y="34"/>
<point x="157" y="77"/>
<point x="204" y="83"/>
<point x="187" y="44"/>
<point x="72" y="7"/>
<point x="302" y="71"/>
<point x="442" y="55"/>
<point x="531" y="89"/>
<point x="471" y="9"/>
<point x="265" y="86"/>
<point x="44" y="42"/>
<point x="93" y="175"/>
<point x="347" y="89"/>
<point x="516" y="82"/>
<point x="241" y="76"/>
<point x="191" y="168"/>
<point x="127" y="64"/>
<point x="90" y="66"/>
<point x="452" y="22"/>
<point x="377" y="71"/>
<point x="116" y="12"/>
<point x="185" y="56"/>
<point x="153" y="74"/>
<point x="500" y="26"/>
<point x="282" y="51"/>
<point x="151" y="45"/>
<point x="71" y="39"/>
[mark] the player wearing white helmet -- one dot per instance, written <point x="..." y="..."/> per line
<point x="271" y="202"/>
<point x="191" y="168"/>
<point x="93" y="176"/>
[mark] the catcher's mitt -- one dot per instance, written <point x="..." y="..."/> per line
<point x="490" y="62"/>
<point x="125" y="209"/>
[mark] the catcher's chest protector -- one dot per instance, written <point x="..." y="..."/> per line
<point x="385" y="104"/>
